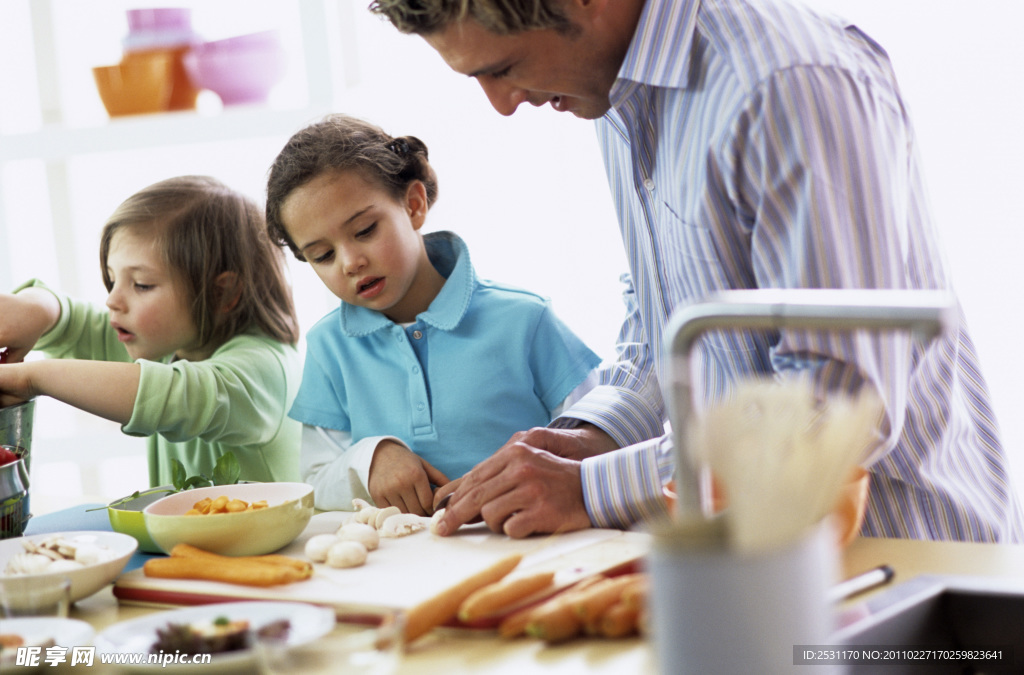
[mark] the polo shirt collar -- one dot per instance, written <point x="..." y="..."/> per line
<point x="659" y="54"/>
<point x="450" y="256"/>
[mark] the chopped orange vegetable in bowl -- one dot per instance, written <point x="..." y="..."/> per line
<point x="235" y="520"/>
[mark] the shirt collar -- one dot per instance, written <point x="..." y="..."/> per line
<point x="449" y="255"/>
<point x="659" y="54"/>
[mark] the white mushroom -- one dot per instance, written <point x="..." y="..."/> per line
<point x="92" y="554"/>
<point x="346" y="554"/>
<point x="27" y="563"/>
<point x="403" y="524"/>
<point x="435" y="519"/>
<point x="318" y="545"/>
<point x="64" y="566"/>
<point x="361" y="532"/>
<point x="384" y="514"/>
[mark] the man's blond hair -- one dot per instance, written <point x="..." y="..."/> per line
<point x="504" y="17"/>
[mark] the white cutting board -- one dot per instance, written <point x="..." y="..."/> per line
<point x="405" y="570"/>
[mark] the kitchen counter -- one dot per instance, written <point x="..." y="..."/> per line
<point x="457" y="651"/>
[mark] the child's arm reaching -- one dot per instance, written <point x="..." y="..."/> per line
<point x="98" y="387"/>
<point x="24" y="318"/>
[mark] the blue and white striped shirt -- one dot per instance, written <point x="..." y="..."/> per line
<point x="757" y="144"/>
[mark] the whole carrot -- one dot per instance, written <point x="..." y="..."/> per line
<point x="444" y="606"/>
<point x="231" y="570"/>
<point x="493" y="598"/>
<point x="592" y="602"/>
<point x="188" y="551"/>
<point x="515" y="623"/>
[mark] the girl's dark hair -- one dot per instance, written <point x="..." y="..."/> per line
<point x="343" y="143"/>
<point x="205" y="229"/>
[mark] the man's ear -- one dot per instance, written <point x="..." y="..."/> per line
<point x="416" y="204"/>
<point x="229" y="291"/>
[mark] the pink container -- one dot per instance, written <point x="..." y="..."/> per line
<point x="240" y="69"/>
<point x="159" y="20"/>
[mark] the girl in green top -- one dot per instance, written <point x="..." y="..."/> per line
<point x="196" y="346"/>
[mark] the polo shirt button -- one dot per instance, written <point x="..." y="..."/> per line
<point x="417" y="334"/>
<point x="415" y="370"/>
<point x="420" y="406"/>
<point x="649" y="184"/>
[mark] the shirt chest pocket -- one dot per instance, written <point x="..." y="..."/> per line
<point x="688" y="257"/>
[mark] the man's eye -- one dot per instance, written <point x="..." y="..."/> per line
<point x="498" y="74"/>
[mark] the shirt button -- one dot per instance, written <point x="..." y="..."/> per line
<point x="420" y="406"/>
<point x="417" y="334"/>
<point x="415" y="370"/>
<point x="649" y="184"/>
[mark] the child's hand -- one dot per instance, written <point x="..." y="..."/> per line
<point x="399" y="477"/>
<point x="14" y="386"/>
<point x="24" y="318"/>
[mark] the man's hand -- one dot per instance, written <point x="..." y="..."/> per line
<point x="523" y="489"/>
<point x="399" y="477"/>
<point x="585" y="441"/>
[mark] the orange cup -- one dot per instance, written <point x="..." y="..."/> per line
<point x="136" y="86"/>
<point x="183" y="93"/>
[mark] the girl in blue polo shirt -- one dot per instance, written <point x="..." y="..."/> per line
<point x="424" y="369"/>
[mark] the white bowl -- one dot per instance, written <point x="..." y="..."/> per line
<point x="86" y="580"/>
<point x="289" y="508"/>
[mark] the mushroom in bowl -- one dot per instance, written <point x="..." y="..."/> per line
<point x="91" y="560"/>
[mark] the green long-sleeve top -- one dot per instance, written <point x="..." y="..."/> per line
<point x="195" y="411"/>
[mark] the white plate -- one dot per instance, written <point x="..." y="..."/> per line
<point x="308" y="622"/>
<point x="35" y="630"/>
<point x="86" y="580"/>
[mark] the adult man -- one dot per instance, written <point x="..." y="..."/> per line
<point x="748" y="144"/>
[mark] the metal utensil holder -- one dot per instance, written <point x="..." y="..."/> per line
<point x="924" y="313"/>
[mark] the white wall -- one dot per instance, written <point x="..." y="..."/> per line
<point x="528" y="193"/>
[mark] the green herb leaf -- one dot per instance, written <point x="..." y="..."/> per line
<point x="227" y="470"/>
<point x="196" y="481"/>
<point x="178" y="476"/>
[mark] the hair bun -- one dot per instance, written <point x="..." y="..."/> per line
<point x="400" y="147"/>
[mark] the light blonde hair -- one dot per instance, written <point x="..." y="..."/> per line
<point x="204" y="229"/>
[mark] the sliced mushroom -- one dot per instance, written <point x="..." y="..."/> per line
<point x="403" y="524"/>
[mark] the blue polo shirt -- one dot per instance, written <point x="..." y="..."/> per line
<point x="483" y="362"/>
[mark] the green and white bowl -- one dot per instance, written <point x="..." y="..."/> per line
<point x="126" y="516"/>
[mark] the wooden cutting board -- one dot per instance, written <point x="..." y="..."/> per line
<point x="404" y="571"/>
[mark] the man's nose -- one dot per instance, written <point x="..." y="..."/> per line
<point x="503" y="97"/>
